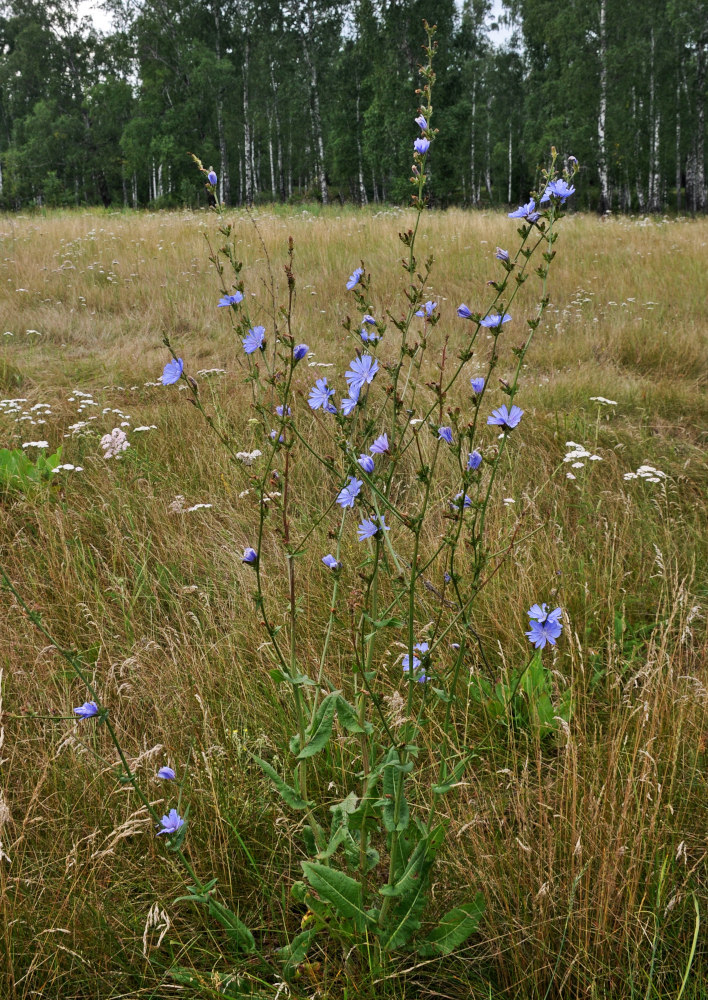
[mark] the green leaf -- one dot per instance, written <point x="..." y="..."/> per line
<point x="343" y="892"/>
<point x="297" y="680"/>
<point x="235" y="928"/>
<point x="321" y="727"/>
<point x="287" y="793"/>
<point x="348" y="718"/>
<point x="392" y="790"/>
<point x="405" y="919"/>
<point x="410" y="879"/>
<point x="452" y="779"/>
<point x="454" y="928"/>
<point x="293" y="954"/>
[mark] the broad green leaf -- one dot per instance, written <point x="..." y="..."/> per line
<point x="454" y="928"/>
<point x="405" y="919"/>
<point x="293" y="954"/>
<point x="410" y="879"/>
<point x="235" y="928"/>
<point x="348" y="718"/>
<point x="287" y="793"/>
<point x="343" y="892"/>
<point x="392" y="791"/>
<point x="336" y="840"/>
<point x="321" y="727"/>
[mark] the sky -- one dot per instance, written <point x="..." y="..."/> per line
<point x="89" y="8"/>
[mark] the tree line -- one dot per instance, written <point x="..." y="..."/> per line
<point x="295" y="100"/>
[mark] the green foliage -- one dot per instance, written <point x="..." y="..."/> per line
<point x="527" y="697"/>
<point x="18" y="471"/>
<point x="78" y="129"/>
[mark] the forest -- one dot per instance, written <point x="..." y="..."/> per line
<point x="309" y="100"/>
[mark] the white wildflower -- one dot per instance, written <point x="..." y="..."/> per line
<point x="114" y="443"/>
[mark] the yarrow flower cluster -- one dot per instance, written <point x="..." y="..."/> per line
<point x="115" y="443"/>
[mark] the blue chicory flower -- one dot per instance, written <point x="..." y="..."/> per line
<point x="369" y="338"/>
<point x="369" y="528"/>
<point x="544" y="626"/>
<point x="426" y="310"/>
<point x="380" y="445"/>
<point x="421" y="123"/>
<point x="279" y="410"/>
<point x="367" y="463"/>
<point x="477" y="385"/>
<point x="348" y="404"/>
<point x="172" y="371"/>
<point x="171" y="823"/>
<point x="524" y="211"/>
<point x="212" y="178"/>
<point x="361" y="372"/>
<point x="502" y="255"/>
<point x="273" y="435"/>
<point x="445" y="434"/>
<point x="560" y="189"/>
<point x="300" y="352"/>
<point x="348" y="494"/>
<point x="420" y="647"/>
<point x="229" y="300"/>
<point x="250" y="556"/>
<point x="474" y="461"/>
<point x="355" y="278"/>
<point x="331" y="563"/>
<point x="461" y="501"/>
<point x="319" y="396"/>
<point x="508" y="419"/>
<point x="369" y="319"/>
<point x="464" y="312"/>
<point x="494" y="319"/>
<point x="167" y="774"/>
<point x="87" y="710"/>
<point x="421" y="146"/>
<point x="255" y="340"/>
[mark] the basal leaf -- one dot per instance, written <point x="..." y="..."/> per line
<point x="343" y="892"/>
<point x="293" y="954"/>
<point x="454" y="928"/>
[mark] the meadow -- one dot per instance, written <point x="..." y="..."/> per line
<point x="589" y="846"/>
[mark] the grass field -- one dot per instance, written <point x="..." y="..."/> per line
<point x="590" y="849"/>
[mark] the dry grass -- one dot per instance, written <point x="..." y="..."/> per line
<point x="590" y="850"/>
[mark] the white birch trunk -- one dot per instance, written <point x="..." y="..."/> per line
<point x="701" y="196"/>
<point x="247" y="143"/>
<point x="602" y="117"/>
<point x="363" y="200"/>
<point x="473" y="165"/>
<point x="316" y="120"/>
<point x="508" y="192"/>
